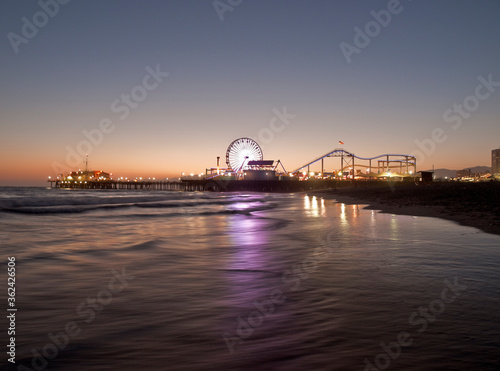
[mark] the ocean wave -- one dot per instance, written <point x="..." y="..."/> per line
<point x="196" y="212"/>
<point x="37" y="256"/>
<point x="142" y="246"/>
<point x="69" y="208"/>
<point x="60" y="197"/>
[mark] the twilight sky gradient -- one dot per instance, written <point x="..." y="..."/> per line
<point x="226" y="78"/>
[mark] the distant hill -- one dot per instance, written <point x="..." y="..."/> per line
<point x="443" y="173"/>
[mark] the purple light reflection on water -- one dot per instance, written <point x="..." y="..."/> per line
<point x="250" y="255"/>
<point x="250" y="273"/>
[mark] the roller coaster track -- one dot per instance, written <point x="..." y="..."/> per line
<point x="340" y="152"/>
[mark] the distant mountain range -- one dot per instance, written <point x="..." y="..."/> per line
<point x="443" y="173"/>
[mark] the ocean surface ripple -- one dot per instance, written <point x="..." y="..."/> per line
<point x="127" y="280"/>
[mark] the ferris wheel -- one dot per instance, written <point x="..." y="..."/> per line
<point x="241" y="151"/>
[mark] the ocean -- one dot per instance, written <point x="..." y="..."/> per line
<point x="133" y="280"/>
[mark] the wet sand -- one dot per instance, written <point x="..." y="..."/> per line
<point x="470" y="204"/>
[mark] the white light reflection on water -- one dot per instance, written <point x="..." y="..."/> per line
<point x="313" y="206"/>
<point x="343" y="216"/>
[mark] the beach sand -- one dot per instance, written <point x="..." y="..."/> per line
<point x="470" y="204"/>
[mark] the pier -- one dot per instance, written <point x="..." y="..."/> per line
<point x="153" y="185"/>
<point x="248" y="171"/>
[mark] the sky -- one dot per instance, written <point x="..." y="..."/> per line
<point x="156" y="88"/>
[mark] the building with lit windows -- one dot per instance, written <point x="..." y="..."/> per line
<point x="495" y="163"/>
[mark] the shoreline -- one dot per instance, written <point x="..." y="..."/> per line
<point x="469" y="204"/>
